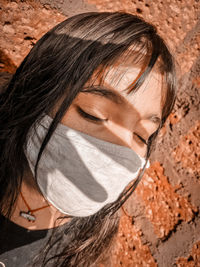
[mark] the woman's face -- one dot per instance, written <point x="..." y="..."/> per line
<point x="109" y="113"/>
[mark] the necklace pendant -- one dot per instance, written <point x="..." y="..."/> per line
<point x="27" y="215"/>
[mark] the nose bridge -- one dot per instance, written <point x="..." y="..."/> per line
<point x="127" y="136"/>
<point x="123" y="134"/>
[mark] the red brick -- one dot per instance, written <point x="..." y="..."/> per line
<point x="163" y="206"/>
<point x="193" y="260"/>
<point x="21" y="25"/>
<point x="187" y="151"/>
<point x="173" y="18"/>
<point x="174" y="118"/>
<point x="129" y="250"/>
<point x="6" y="64"/>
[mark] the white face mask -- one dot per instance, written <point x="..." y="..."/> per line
<point x="77" y="173"/>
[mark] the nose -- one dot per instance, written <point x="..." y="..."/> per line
<point x="123" y="136"/>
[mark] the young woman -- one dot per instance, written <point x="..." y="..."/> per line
<point x="77" y="123"/>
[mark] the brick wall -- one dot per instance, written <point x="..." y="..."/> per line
<point x="160" y="224"/>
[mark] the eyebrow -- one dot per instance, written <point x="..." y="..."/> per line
<point x="118" y="99"/>
<point x="105" y="92"/>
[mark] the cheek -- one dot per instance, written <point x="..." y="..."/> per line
<point x="140" y="150"/>
<point x="73" y="120"/>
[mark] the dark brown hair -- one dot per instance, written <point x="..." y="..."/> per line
<point x="58" y="66"/>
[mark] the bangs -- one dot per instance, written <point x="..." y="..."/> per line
<point x="140" y="55"/>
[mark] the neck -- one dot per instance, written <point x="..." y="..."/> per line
<point x="44" y="218"/>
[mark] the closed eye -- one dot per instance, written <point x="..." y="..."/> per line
<point x="141" y="139"/>
<point x="89" y="116"/>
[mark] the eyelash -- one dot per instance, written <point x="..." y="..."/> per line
<point x="141" y="139"/>
<point x="89" y="116"/>
<point x="95" y="119"/>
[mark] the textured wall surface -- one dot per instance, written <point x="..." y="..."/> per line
<point x="160" y="224"/>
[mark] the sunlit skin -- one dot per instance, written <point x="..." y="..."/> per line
<point x="120" y="118"/>
<point x="105" y="111"/>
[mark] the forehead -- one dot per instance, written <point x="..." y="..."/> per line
<point x="147" y="98"/>
<point x="120" y="78"/>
